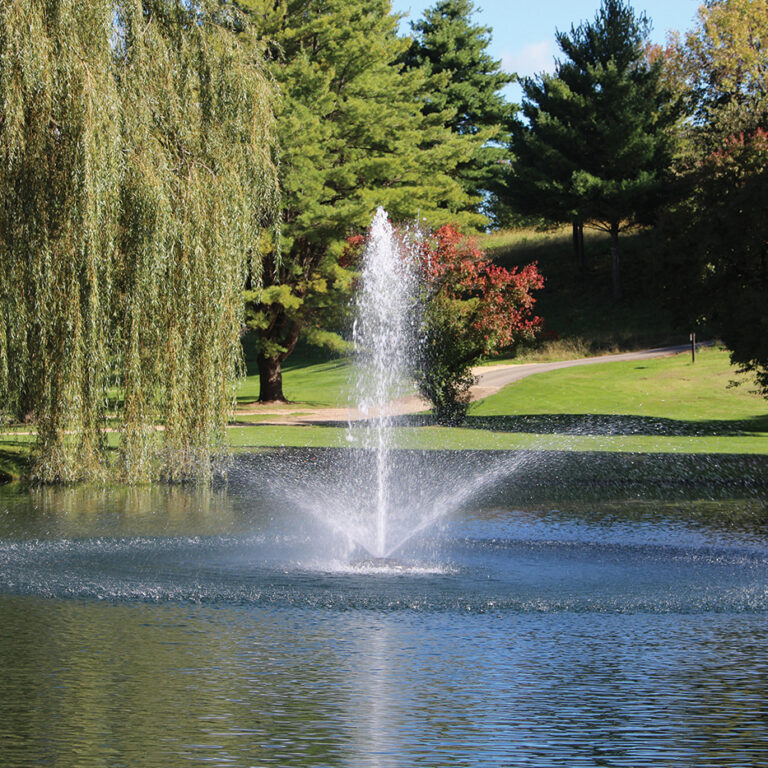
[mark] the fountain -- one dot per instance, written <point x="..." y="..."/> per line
<point x="384" y="342"/>
<point x="378" y="498"/>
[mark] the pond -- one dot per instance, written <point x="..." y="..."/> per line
<point x="602" y="612"/>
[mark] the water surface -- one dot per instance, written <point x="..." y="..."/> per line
<point x="173" y="627"/>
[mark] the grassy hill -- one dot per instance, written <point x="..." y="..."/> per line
<point x="581" y="316"/>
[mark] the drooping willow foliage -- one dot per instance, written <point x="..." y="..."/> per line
<point x="199" y="180"/>
<point x="60" y="170"/>
<point x="136" y="175"/>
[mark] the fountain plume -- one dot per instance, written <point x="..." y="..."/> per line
<point x="384" y="338"/>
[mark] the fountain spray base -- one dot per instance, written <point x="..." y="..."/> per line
<point x="390" y="563"/>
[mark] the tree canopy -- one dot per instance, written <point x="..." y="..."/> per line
<point x="724" y="62"/>
<point x="466" y="89"/>
<point x="471" y="308"/>
<point x="714" y="236"/>
<point x="352" y="137"/>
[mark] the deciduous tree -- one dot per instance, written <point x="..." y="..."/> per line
<point x="472" y="308"/>
<point x="724" y="62"/>
<point x="136" y="171"/>
<point x="716" y="254"/>
<point x="715" y="236"/>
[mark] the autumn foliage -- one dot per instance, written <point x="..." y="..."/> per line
<point x="471" y="308"/>
<point x="497" y="302"/>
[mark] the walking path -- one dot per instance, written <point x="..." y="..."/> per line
<point x="490" y="379"/>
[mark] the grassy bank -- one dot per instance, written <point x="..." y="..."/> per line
<point x="581" y="316"/>
<point x="670" y="395"/>
<point x="14" y="458"/>
<point x="427" y="437"/>
<point x="665" y="405"/>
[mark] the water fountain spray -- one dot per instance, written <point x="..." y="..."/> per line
<point x="384" y="343"/>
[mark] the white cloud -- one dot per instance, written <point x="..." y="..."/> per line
<point x="536" y="57"/>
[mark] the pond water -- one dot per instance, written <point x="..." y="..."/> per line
<point x="550" y="622"/>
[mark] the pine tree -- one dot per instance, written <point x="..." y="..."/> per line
<point x="467" y="87"/>
<point x="352" y="137"/>
<point x="548" y="148"/>
<point x="606" y="143"/>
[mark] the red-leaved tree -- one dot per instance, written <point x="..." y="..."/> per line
<point x="472" y="308"/>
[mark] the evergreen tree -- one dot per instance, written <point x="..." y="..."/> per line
<point x="352" y="137"/>
<point x="606" y="141"/>
<point x="467" y="84"/>
<point x="548" y="148"/>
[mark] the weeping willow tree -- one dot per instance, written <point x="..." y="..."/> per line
<point x="136" y="178"/>
<point x="199" y="182"/>
<point x="60" y="170"/>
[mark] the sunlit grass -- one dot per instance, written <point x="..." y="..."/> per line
<point x="456" y="438"/>
<point x="318" y="384"/>
<point x="666" y="388"/>
<point x="665" y="405"/>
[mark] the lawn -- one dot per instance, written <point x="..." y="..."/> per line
<point x="661" y="405"/>
<point x="324" y="384"/>
<point x="664" y="405"/>
<point x="492" y="438"/>
<point x="310" y="378"/>
<point x="666" y="389"/>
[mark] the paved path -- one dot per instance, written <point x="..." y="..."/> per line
<point x="490" y="379"/>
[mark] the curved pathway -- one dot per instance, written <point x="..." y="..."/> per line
<point x="490" y="379"/>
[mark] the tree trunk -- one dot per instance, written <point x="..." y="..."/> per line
<point x="575" y="226"/>
<point x="578" y="245"/>
<point x="270" y="379"/>
<point x="270" y="368"/>
<point x="615" y="271"/>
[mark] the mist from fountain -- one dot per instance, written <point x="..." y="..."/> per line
<point x="377" y="497"/>
<point x="384" y="338"/>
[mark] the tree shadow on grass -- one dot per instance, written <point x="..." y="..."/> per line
<point x="13" y="463"/>
<point x="604" y="424"/>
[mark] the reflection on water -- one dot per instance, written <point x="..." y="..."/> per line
<point x="171" y="627"/>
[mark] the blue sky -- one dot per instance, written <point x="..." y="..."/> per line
<point x="524" y="32"/>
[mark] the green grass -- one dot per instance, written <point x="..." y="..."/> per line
<point x="665" y="405"/>
<point x="317" y="384"/>
<point x="667" y="389"/>
<point x="468" y="438"/>
<point x="14" y="457"/>
<point x="309" y="378"/>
